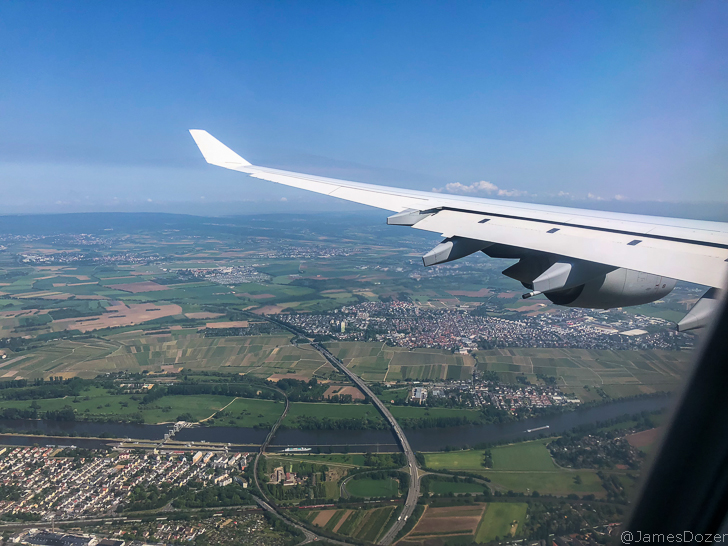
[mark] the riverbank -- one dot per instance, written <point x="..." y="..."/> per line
<point x="339" y="441"/>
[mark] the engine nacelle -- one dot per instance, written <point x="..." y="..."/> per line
<point x="618" y="288"/>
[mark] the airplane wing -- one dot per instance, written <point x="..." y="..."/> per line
<point x="688" y="250"/>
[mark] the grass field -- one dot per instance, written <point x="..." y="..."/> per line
<point x="248" y="412"/>
<point x="560" y="483"/>
<point x="97" y="403"/>
<point x="410" y="412"/>
<point x="501" y="519"/>
<point x="301" y="410"/>
<point x="523" y="456"/>
<point x="523" y="467"/>
<point x="471" y="459"/>
<point x="354" y="460"/>
<point x="366" y="487"/>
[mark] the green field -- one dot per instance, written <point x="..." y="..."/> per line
<point x="499" y="519"/>
<point x="97" y="403"/>
<point x="355" y="459"/>
<point x="523" y="456"/>
<point x="366" y="487"/>
<point x="301" y="410"/>
<point x="248" y="412"/>
<point x="412" y="412"/>
<point x="471" y="459"/>
<point x="524" y="467"/>
<point x="560" y="483"/>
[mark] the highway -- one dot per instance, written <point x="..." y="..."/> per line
<point x="413" y="492"/>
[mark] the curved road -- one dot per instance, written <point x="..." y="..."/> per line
<point x="413" y="492"/>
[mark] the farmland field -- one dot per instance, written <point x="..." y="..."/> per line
<point x="443" y="521"/>
<point x="501" y="519"/>
<point x="364" y="525"/>
<point x="618" y="373"/>
<point x="379" y="362"/>
<point x="260" y="356"/>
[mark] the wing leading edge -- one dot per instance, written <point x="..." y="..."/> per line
<point x="688" y="250"/>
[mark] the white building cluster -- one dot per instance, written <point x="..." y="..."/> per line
<point x="68" y="488"/>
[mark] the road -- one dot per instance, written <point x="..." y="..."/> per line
<point x="413" y="492"/>
<point x="264" y="503"/>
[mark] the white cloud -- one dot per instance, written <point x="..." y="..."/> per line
<point x="284" y="199"/>
<point x="480" y="187"/>
<point x="619" y="197"/>
<point x="512" y="193"/>
<point x="594" y="197"/>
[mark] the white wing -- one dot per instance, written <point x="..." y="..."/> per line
<point x="689" y="250"/>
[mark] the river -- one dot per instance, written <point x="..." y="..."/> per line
<point x="431" y="439"/>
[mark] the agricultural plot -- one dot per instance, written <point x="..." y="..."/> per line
<point x="366" y="525"/>
<point x="261" y="356"/>
<point x="618" y="373"/>
<point x="443" y="522"/>
<point x="379" y="362"/>
<point x="501" y="519"/>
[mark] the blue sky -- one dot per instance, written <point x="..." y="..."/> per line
<point x="547" y="101"/>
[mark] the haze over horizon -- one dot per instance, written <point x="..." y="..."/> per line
<point x="585" y="104"/>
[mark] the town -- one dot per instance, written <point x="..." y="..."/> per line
<point x="408" y="324"/>
<point x="55" y="483"/>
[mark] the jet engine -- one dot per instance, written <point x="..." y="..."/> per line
<point x="564" y="281"/>
<point x="577" y="283"/>
<point x="618" y="288"/>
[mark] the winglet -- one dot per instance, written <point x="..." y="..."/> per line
<point x="215" y="152"/>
